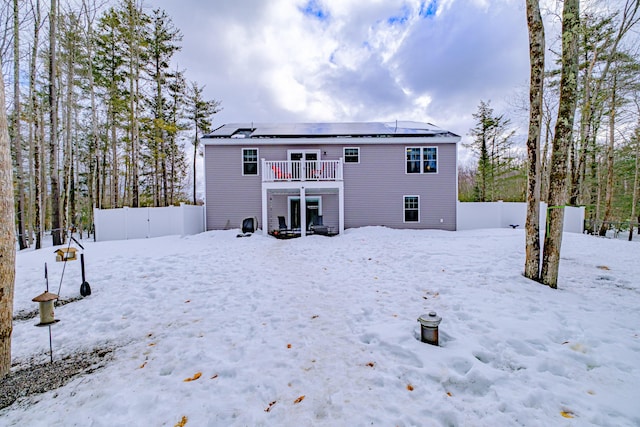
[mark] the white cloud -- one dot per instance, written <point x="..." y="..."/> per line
<point x="351" y="60"/>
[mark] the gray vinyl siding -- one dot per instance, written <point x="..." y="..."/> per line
<point x="373" y="188"/>
<point x="230" y="196"/>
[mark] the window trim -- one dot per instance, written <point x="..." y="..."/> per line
<point x="422" y="159"/>
<point x="404" y="209"/>
<point x="242" y="161"/>
<point x="344" y="154"/>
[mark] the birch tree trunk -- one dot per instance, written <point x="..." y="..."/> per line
<point x="561" y="142"/>
<point x="7" y="239"/>
<point x="536" y="88"/>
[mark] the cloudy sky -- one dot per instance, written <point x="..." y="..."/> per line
<point x="354" y="60"/>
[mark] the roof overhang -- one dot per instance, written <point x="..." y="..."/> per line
<point x="329" y="133"/>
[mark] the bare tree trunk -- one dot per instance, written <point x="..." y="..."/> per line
<point x="68" y="126"/>
<point x="8" y="241"/>
<point x="561" y="142"/>
<point x="56" y="231"/>
<point x="588" y="114"/>
<point x="195" y="156"/>
<point x="114" y="163"/>
<point x="536" y="88"/>
<point x="17" y="137"/>
<point x="37" y="125"/>
<point x="636" y="186"/>
<point x="93" y="182"/>
<point x="608" y="198"/>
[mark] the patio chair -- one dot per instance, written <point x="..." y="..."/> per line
<point x="318" y="173"/>
<point x="317" y="227"/>
<point x="249" y="225"/>
<point x="282" y="224"/>
<point x="279" y="174"/>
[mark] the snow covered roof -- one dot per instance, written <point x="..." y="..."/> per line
<point x="330" y="130"/>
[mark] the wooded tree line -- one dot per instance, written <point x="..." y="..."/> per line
<point x="603" y="158"/>
<point x="97" y="115"/>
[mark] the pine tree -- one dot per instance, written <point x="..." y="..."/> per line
<point x="199" y="113"/>
<point x="492" y="144"/>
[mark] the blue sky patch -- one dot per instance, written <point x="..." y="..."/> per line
<point x="428" y="8"/>
<point x="401" y="18"/>
<point x="315" y="10"/>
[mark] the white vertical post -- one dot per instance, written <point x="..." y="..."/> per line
<point x="341" y="208"/>
<point x="125" y="211"/>
<point x="96" y="222"/>
<point x="265" y="226"/>
<point x="303" y="212"/>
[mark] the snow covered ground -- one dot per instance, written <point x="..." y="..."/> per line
<point x="322" y="332"/>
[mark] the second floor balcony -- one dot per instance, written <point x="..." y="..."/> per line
<point x="301" y="170"/>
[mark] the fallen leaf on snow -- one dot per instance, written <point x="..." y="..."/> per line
<point x="449" y="394"/>
<point x="288" y="345"/>
<point x="214" y="377"/>
<point x="298" y="400"/>
<point x="268" y="408"/>
<point x="603" y="267"/>
<point x="187" y="301"/>
<point x="409" y="387"/>
<point x="193" y="378"/>
<point x="371" y="364"/>
<point x="143" y="365"/>
<point x="182" y="422"/>
<point x="315" y="316"/>
<point x="567" y="414"/>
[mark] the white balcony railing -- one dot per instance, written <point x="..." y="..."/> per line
<point x="309" y="170"/>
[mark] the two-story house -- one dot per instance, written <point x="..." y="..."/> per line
<point x="342" y="175"/>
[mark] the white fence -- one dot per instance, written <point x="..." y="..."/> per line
<point x="140" y="223"/>
<point x="473" y="215"/>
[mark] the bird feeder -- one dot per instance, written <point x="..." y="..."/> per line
<point x="45" y="301"/>
<point x="66" y="254"/>
<point x="429" y="327"/>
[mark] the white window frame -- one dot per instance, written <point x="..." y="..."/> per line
<point x="344" y="154"/>
<point x="404" y="209"/>
<point x="422" y="160"/>
<point x="242" y="162"/>
<point x="307" y="199"/>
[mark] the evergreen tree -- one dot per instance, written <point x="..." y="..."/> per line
<point x="199" y="113"/>
<point x="492" y="144"/>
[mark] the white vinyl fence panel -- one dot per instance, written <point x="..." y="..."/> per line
<point x="475" y="215"/>
<point x="140" y="223"/>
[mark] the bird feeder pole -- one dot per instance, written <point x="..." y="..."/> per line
<point x="45" y="304"/>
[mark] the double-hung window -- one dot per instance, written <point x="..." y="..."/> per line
<point x="352" y="155"/>
<point x="249" y="161"/>
<point x="411" y="208"/>
<point x="422" y="159"/>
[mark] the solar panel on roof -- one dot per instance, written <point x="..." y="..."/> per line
<point x="327" y="129"/>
